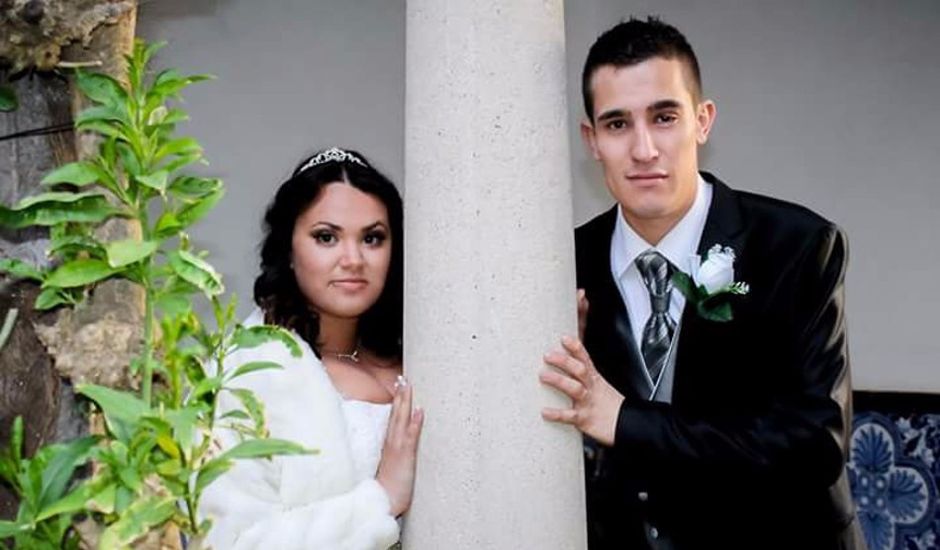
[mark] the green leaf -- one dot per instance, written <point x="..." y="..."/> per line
<point x="253" y="407"/>
<point x="120" y="408"/>
<point x="20" y="269"/>
<point x="104" y="501"/>
<point x="52" y="297"/>
<point x="156" y="180"/>
<point x="211" y="471"/>
<point x="76" y="173"/>
<point x="183" y="421"/>
<point x="11" y="528"/>
<point x="100" y="113"/>
<point x="77" y="499"/>
<point x="8" y="100"/>
<point x="189" y="187"/>
<point x="179" y="146"/>
<point x="141" y="516"/>
<point x="169" y="82"/>
<point x="265" y="448"/>
<point x="181" y="161"/>
<point x="101" y="88"/>
<point x="715" y="312"/>
<point x="103" y="127"/>
<point x="126" y="252"/>
<point x="173" y="116"/>
<point x="236" y="414"/>
<point x="253" y="366"/>
<point x="206" y="385"/>
<point x="89" y="209"/>
<point x="685" y="285"/>
<point x="252" y="337"/>
<point x="129" y="159"/>
<point x="130" y="477"/>
<point x="167" y="225"/>
<point x="195" y="212"/>
<point x="54" y="197"/>
<point x="170" y="467"/>
<point x="123" y="498"/>
<point x="79" y="272"/>
<point x="72" y="244"/>
<point x="62" y="463"/>
<point x="196" y="271"/>
<point x="16" y="440"/>
<point x="147" y="51"/>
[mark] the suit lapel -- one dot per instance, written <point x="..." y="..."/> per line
<point x="725" y="226"/>
<point x="613" y="322"/>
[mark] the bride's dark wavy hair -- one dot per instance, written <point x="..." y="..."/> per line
<point x="276" y="291"/>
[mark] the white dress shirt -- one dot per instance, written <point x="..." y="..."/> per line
<point x="677" y="246"/>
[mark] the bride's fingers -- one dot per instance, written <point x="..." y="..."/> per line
<point x="394" y="418"/>
<point x="400" y="424"/>
<point x="414" y="427"/>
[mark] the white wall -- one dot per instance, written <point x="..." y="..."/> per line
<point x="830" y="104"/>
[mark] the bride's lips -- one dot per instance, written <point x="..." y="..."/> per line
<point x="350" y="284"/>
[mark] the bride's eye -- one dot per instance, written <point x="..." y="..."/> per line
<point x="324" y="237"/>
<point x="374" y="238"/>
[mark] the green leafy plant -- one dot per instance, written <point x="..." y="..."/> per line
<point x="41" y="482"/>
<point x="157" y="454"/>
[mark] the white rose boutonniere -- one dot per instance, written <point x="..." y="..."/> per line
<point x="710" y="282"/>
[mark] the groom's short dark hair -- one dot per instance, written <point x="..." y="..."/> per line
<point x="634" y="41"/>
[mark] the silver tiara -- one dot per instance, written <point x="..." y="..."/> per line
<point x="332" y="154"/>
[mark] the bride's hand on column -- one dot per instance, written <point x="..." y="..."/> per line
<point x="396" y="473"/>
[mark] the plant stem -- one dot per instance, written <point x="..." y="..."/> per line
<point x="191" y="503"/>
<point x="148" y="284"/>
<point x="147" y="366"/>
<point x="7" y="326"/>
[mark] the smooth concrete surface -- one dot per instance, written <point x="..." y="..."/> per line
<point x="489" y="274"/>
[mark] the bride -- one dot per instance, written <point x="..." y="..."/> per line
<point x="331" y="271"/>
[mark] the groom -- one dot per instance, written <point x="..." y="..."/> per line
<point x="701" y="432"/>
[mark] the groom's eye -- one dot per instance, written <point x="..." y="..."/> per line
<point x="665" y="118"/>
<point x="616" y="125"/>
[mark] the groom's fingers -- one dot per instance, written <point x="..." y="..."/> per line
<point x="567" y="385"/>
<point x="566" y="416"/>
<point x="566" y="363"/>
<point x="574" y="347"/>
<point x="582" y="312"/>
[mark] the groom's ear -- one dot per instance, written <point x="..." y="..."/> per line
<point x="704" y="120"/>
<point x="590" y="140"/>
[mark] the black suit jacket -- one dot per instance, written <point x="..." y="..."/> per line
<point x="751" y="452"/>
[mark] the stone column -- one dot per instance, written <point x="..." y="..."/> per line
<point x="489" y="272"/>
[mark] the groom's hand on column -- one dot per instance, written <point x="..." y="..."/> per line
<point x="582" y="313"/>
<point x="595" y="404"/>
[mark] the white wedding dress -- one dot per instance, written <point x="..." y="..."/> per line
<point x="365" y="426"/>
<point x="324" y="501"/>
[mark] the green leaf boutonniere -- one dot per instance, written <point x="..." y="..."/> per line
<point x="711" y="283"/>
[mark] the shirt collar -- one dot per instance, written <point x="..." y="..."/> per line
<point x="677" y="246"/>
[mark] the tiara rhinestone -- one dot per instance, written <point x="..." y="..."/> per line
<point x="333" y="154"/>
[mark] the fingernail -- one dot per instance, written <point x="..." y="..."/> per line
<point x="401" y="381"/>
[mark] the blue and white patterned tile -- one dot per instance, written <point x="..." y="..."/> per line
<point x="893" y="474"/>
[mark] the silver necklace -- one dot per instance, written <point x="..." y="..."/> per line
<point x="352" y="356"/>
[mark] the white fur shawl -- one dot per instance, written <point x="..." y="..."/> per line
<point x="295" y="502"/>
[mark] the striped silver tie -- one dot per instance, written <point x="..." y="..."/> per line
<point x="659" y="329"/>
